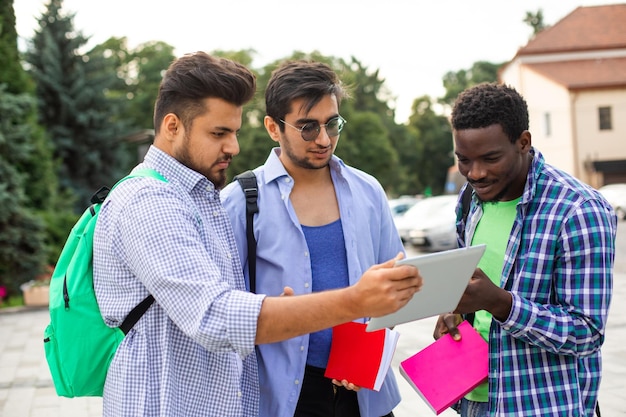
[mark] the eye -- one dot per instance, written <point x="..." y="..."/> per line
<point x="310" y="127"/>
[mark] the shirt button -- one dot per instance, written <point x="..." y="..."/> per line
<point x="239" y="394"/>
<point x="287" y="179"/>
<point x="301" y="348"/>
<point x="216" y="213"/>
<point x="297" y="381"/>
<point x="282" y="197"/>
<point x="208" y="188"/>
<point x="306" y="254"/>
<point x="306" y="285"/>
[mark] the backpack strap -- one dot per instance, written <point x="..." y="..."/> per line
<point x="247" y="181"/>
<point x="136" y="313"/>
<point x="466" y="202"/>
<point x="98" y="198"/>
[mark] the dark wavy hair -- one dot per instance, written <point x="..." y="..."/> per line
<point x="487" y="104"/>
<point x="198" y="76"/>
<point x="300" y="79"/>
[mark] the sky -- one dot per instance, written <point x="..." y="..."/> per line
<point x="412" y="43"/>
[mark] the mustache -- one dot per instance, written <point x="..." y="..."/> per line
<point x="227" y="158"/>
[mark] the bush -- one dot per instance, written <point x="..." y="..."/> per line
<point x="58" y="225"/>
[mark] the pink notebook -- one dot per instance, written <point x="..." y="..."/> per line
<point x="446" y="370"/>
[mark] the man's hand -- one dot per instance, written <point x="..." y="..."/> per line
<point x="447" y="323"/>
<point x="482" y="294"/>
<point x="347" y="385"/>
<point x="385" y="288"/>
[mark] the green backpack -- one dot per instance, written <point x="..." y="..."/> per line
<point x="78" y="345"/>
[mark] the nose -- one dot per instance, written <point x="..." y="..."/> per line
<point x="475" y="171"/>
<point x="322" y="138"/>
<point x="231" y="146"/>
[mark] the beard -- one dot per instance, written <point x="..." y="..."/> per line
<point x="302" y="162"/>
<point x="218" y="178"/>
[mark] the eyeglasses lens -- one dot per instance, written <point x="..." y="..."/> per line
<point x="310" y="131"/>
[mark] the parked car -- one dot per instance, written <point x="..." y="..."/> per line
<point x="400" y="205"/>
<point x="616" y="196"/>
<point x="430" y="224"/>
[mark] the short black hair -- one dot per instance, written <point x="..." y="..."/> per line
<point x="198" y="76"/>
<point x="487" y="104"/>
<point x="293" y="80"/>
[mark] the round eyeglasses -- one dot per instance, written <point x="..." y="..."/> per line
<point x="311" y="130"/>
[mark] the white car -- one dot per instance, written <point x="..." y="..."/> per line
<point x="400" y="205"/>
<point x="430" y="224"/>
<point x="615" y="194"/>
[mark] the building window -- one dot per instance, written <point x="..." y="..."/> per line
<point x="604" y="115"/>
<point x="547" y="125"/>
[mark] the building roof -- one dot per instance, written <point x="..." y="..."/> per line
<point x="584" y="74"/>
<point x="584" y="29"/>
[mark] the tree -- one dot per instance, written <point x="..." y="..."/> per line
<point x="11" y="71"/>
<point x="72" y="106"/>
<point x="535" y="21"/>
<point x="22" y="250"/>
<point x="456" y="82"/>
<point x="435" y="145"/>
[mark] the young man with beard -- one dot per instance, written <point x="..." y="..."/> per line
<point x="192" y="353"/>
<point x="321" y="224"/>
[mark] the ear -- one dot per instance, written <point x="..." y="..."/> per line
<point x="171" y="126"/>
<point x="273" y="128"/>
<point x="525" y="142"/>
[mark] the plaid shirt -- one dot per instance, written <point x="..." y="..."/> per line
<point x="192" y="353"/>
<point x="544" y="359"/>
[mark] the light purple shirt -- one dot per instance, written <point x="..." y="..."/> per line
<point x="283" y="260"/>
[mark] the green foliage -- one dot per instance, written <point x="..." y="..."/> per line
<point x="11" y="72"/>
<point x="365" y="144"/>
<point x="535" y="21"/>
<point x="456" y="82"/>
<point x="22" y="254"/>
<point x="435" y="138"/>
<point x="72" y="106"/>
<point x="57" y="227"/>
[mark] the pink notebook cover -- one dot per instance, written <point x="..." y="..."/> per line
<point x="446" y="370"/>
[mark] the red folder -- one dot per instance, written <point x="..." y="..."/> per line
<point x="360" y="357"/>
<point x="446" y="370"/>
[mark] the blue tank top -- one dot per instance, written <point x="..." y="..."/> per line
<point x="329" y="268"/>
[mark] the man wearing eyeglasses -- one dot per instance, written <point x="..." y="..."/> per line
<point x="320" y="225"/>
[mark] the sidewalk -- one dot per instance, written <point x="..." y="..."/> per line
<point x="26" y="388"/>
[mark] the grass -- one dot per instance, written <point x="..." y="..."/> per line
<point x="12" y="301"/>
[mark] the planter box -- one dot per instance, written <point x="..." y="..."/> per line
<point x="37" y="295"/>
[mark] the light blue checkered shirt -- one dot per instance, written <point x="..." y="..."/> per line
<point x="192" y="354"/>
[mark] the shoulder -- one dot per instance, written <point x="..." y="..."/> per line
<point x="568" y="195"/>
<point x="357" y="178"/>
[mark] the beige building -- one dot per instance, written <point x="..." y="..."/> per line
<point x="573" y="77"/>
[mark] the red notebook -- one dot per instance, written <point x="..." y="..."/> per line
<point x="360" y="357"/>
<point x="446" y="370"/>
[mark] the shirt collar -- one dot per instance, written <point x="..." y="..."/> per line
<point x="174" y="171"/>
<point x="274" y="168"/>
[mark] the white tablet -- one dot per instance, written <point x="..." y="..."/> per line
<point x="446" y="275"/>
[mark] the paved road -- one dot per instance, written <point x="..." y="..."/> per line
<point x="26" y="388"/>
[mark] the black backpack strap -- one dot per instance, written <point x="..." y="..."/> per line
<point x="466" y="202"/>
<point x="136" y="313"/>
<point x="247" y="181"/>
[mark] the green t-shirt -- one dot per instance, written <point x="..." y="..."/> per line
<point x="493" y="229"/>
